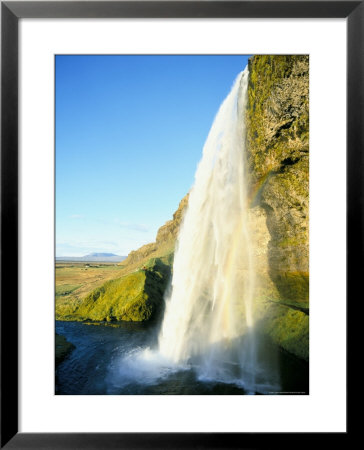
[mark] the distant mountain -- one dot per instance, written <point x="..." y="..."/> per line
<point x="97" y="255"/>
<point x="93" y="257"/>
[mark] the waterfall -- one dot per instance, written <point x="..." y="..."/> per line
<point x="208" y="321"/>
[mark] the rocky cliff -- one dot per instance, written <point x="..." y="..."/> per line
<point x="165" y="240"/>
<point x="277" y="119"/>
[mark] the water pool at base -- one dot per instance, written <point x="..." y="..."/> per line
<point x="106" y="361"/>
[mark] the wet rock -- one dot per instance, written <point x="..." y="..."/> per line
<point x="277" y="140"/>
<point x="62" y="348"/>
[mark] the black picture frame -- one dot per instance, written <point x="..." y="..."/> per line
<point x="11" y="12"/>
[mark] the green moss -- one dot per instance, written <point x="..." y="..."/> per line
<point x="293" y="286"/>
<point x="272" y="80"/>
<point x="62" y="348"/>
<point x="66" y="307"/>
<point x="135" y="297"/>
<point x="299" y="306"/>
<point x="66" y="289"/>
<point x="291" y="242"/>
<point x="288" y="328"/>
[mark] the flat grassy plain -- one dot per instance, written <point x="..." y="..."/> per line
<point x="75" y="280"/>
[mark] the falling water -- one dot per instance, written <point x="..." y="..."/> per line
<point x="209" y="319"/>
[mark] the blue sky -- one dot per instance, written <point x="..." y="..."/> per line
<point x="129" y="135"/>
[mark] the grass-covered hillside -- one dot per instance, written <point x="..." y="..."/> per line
<point x="78" y="279"/>
<point x="137" y="296"/>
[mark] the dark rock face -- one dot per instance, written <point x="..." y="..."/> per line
<point x="278" y="164"/>
<point x="63" y="348"/>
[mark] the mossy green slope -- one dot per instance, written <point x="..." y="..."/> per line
<point x="137" y="296"/>
<point x="289" y="328"/>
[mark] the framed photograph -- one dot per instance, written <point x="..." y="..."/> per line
<point x="181" y="224"/>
